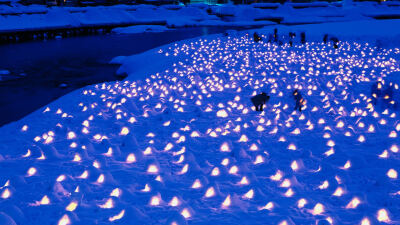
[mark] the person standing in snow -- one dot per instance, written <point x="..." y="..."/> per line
<point x="256" y="37"/>
<point x="259" y="100"/>
<point x="325" y="38"/>
<point x="299" y="100"/>
<point x="275" y="35"/>
<point x="335" y="41"/>
<point x="303" y="37"/>
<point x="291" y="37"/>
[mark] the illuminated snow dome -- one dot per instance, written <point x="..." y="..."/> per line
<point x="184" y="145"/>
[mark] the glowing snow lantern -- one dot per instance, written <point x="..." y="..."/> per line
<point x="353" y="203"/>
<point x="233" y="170"/>
<point x="222" y="113"/>
<point x="215" y="171"/>
<point x="338" y="192"/>
<point x="296" y="131"/>
<point x="64" y="220"/>
<point x="84" y="175"/>
<point x="77" y="158"/>
<point x="24" y="128"/>
<point x="292" y="147"/>
<point x="45" y="200"/>
<point x="96" y="164"/>
<point x="324" y="185"/>
<point x="392" y="174"/>
<point x="152" y="169"/>
<point x="253" y="147"/>
<point x="72" y="206"/>
<point x="277" y="176"/>
<point x="384" y="154"/>
<point x="301" y="203"/>
<point x="227" y="202"/>
<point x="286" y="183"/>
<point x="60" y="178"/>
<point x="347" y="165"/>
<point x="185" y="213"/>
<point x="210" y="192"/>
<point x="394" y="148"/>
<point x="225" y="147"/>
<point x="27" y="154"/>
<point x="108" y="204"/>
<point x="289" y="193"/>
<point x="294" y="165"/>
<point x="361" y="139"/>
<point x="249" y="194"/>
<point x="146" y="188"/>
<point x="71" y="135"/>
<point x="268" y="206"/>
<point x="100" y="179"/>
<point x="31" y="171"/>
<point x="155" y="200"/>
<point x="365" y="221"/>
<point x="116" y="192"/>
<point x="124" y="131"/>
<point x="383" y="216"/>
<point x="243" y="138"/>
<point x="118" y="216"/>
<point x="131" y="158"/>
<point x="184" y="169"/>
<point x="174" y="202"/>
<point x="259" y="159"/>
<point x="6" y="194"/>
<point x="48" y="140"/>
<point x="318" y="209"/>
<point x="196" y="184"/>
<point x="244" y="181"/>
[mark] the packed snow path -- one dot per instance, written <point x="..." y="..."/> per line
<point x="185" y="146"/>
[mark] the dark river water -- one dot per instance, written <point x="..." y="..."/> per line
<point x="75" y="61"/>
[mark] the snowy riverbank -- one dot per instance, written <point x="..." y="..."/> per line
<point x="35" y="17"/>
<point x="178" y="142"/>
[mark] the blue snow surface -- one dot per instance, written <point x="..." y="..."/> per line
<point x="184" y="144"/>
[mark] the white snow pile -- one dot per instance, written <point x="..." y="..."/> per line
<point x="184" y="145"/>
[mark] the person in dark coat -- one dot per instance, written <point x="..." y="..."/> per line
<point x="257" y="37"/>
<point x="291" y="37"/>
<point x="299" y="100"/>
<point x="275" y="35"/>
<point x="335" y="41"/>
<point x="325" y="39"/>
<point x="303" y="37"/>
<point x="259" y="100"/>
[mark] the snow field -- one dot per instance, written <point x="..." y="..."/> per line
<point x="185" y="146"/>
